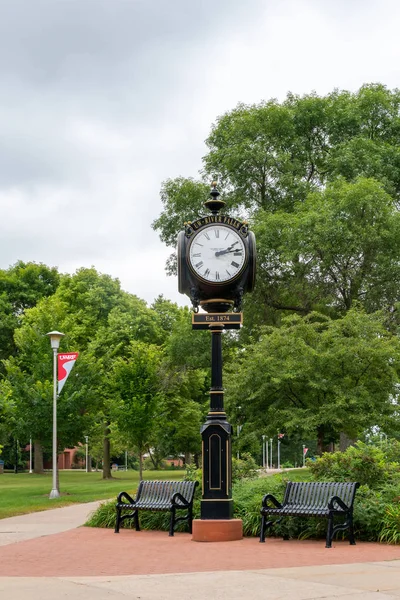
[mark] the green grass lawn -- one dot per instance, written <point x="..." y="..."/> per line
<point x="27" y="492"/>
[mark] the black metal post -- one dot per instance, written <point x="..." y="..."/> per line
<point x="216" y="434"/>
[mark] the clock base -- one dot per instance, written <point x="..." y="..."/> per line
<point x="217" y="305"/>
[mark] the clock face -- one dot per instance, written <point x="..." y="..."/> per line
<point x="217" y="253"/>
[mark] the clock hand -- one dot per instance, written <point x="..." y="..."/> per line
<point x="229" y="249"/>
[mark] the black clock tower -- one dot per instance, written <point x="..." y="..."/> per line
<point x="216" y="266"/>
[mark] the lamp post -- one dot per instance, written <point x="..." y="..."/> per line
<point x="55" y="337"/>
<point x="263" y="448"/>
<point x="87" y="453"/>
<point x="270" y="441"/>
<point x="304" y="455"/>
<point x="279" y="452"/>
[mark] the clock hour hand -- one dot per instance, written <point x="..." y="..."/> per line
<point x="230" y="249"/>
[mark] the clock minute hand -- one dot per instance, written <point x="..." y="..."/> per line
<point x="229" y="249"/>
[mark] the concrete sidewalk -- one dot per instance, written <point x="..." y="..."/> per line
<point x="375" y="580"/>
<point x="363" y="581"/>
<point x="46" y="522"/>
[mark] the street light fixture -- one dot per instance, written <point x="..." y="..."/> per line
<point x="55" y="337"/>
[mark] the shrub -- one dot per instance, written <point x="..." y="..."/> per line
<point x="391" y="525"/>
<point x="248" y="494"/>
<point x="244" y="467"/>
<point x="287" y="465"/>
<point x="363" y="463"/>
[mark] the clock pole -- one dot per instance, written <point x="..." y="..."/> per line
<point x="216" y="506"/>
<point x="216" y="502"/>
<point x="216" y="267"/>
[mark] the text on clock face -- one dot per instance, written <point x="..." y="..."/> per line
<point x="217" y="254"/>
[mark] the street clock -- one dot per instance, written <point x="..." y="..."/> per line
<point x="216" y="259"/>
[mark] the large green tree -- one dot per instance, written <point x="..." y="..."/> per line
<point x="21" y="287"/>
<point x="319" y="376"/>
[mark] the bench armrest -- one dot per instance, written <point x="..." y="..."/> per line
<point x="336" y="500"/>
<point x="182" y="500"/>
<point x="126" y="496"/>
<point x="272" y="498"/>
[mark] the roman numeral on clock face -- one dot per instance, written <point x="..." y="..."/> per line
<point x="206" y="235"/>
<point x="235" y="264"/>
<point x="199" y="264"/>
<point x="197" y="255"/>
<point x="216" y="233"/>
<point x="206" y="272"/>
<point x="216" y="276"/>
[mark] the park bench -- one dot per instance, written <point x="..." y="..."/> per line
<point x="170" y="496"/>
<point x="313" y="499"/>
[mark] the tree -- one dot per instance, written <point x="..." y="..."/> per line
<point x="340" y="246"/>
<point x="21" y="287"/>
<point x="315" y="375"/>
<point x="136" y="384"/>
<point x="79" y="306"/>
<point x="129" y="321"/>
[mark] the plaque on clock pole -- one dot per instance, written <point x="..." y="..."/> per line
<point x="216" y="267"/>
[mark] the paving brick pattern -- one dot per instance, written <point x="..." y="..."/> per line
<point x="95" y="552"/>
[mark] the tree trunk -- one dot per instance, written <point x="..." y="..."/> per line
<point x="155" y="464"/>
<point x="140" y="466"/>
<point x="345" y="441"/>
<point x="107" y="452"/>
<point x="320" y="440"/>
<point x="188" y="459"/>
<point x="89" y="465"/>
<point x="38" y="457"/>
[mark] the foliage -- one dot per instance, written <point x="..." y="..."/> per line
<point x="363" y="463"/>
<point x="135" y="382"/>
<point x="21" y="287"/>
<point x="244" y="467"/>
<point x="248" y="494"/>
<point x="337" y="247"/>
<point x="318" y="376"/>
<point x="391" y="525"/>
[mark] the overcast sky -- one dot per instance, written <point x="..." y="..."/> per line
<point x="102" y="100"/>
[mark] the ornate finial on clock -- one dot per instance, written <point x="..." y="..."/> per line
<point x="214" y="204"/>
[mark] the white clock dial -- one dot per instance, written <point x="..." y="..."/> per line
<point x="217" y="253"/>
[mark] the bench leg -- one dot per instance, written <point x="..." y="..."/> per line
<point x="136" y="520"/>
<point x="190" y="519"/>
<point x="117" y="521"/>
<point x="351" y="531"/>
<point x="172" y="522"/>
<point x="329" y="533"/>
<point x="262" y="532"/>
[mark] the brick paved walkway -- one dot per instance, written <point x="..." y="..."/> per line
<point x="94" y="552"/>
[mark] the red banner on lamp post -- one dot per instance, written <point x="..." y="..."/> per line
<point x="65" y="363"/>
<point x="305" y="450"/>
